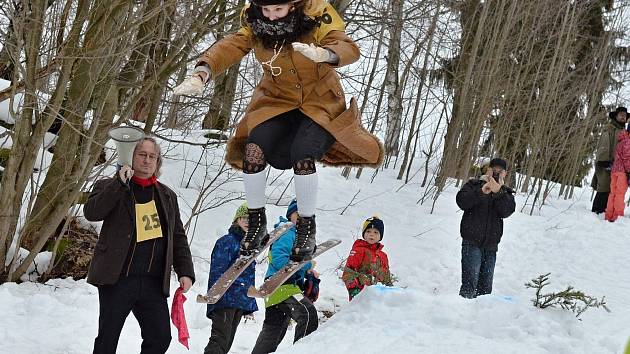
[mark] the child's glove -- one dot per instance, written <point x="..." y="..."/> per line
<point x="192" y="86"/>
<point x="313" y="52"/>
<point x="310" y="287"/>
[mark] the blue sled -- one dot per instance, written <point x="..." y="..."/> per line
<point x="383" y="288"/>
<point x="505" y="298"/>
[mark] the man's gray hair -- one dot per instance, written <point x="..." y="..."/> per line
<point x="158" y="151"/>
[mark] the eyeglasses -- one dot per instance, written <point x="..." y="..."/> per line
<point x="145" y="156"/>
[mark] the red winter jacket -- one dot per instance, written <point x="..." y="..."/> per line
<point x="622" y="153"/>
<point x="362" y="258"/>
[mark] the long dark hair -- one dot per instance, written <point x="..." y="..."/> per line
<point x="288" y="29"/>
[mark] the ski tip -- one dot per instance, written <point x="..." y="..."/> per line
<point x="206" y="300"/>
<point x="202" y="299"/>
<point x="253" y="292"/>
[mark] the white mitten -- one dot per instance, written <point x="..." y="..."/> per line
<point x="313" y="52"/>
<point x="192" y="86"/>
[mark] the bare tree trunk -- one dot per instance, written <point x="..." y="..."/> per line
<point x="461" y="105"/>
<point x="368" y="87"/>
<point x="158" y="53"/>
<point x="421" y="83"/>
<point x="222" y="100"/>
<point x="172" y="117"/>
<point x="392" y="83"/>
<point x="27" y="138"/>
<point x="63" y="174"/>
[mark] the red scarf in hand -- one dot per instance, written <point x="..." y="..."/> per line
<point x="178" y="317"/>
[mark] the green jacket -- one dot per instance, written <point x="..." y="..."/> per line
<point x="608" y="141"/>
<point x="605" y="152"/>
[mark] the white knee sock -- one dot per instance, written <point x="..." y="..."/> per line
<point x="255" y="184"/>
<point x="306" y="193"/>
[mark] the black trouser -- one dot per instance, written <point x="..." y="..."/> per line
<point x="289" y="138"/>
<point x="224" y="324"/>
<point x="277" y="319"/>
<point x="600" y="202"/>
<point x="143" y="296"/>
<point x="477" y="270"/>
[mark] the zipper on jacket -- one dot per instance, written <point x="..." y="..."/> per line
<point x="131" y="259"/>
<point x="485" y="231"/>
<point x="133" y="199"/>
<point x="152" y="252"/>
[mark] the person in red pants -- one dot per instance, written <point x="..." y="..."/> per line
<point x="619" y="177"/>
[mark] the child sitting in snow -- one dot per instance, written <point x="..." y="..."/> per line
<point x="284" y="304"/>
<point x="226" y="314"/>
<point x="619" y="177"/>
<point x="367" y="264"/>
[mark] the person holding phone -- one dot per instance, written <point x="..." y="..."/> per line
<point x="486" y="201"/>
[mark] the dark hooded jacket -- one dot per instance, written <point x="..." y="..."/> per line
<point x="482" y="222"/>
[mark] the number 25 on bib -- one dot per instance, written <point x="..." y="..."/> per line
<point x="147" y="222"/>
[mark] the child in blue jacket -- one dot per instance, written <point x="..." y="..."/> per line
<point x="226" y="314"/>
<point x="283" y="305"/>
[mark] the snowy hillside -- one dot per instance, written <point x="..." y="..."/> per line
<point x="423" y="314"/>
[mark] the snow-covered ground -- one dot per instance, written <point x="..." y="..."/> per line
<point x="423" y="314"/>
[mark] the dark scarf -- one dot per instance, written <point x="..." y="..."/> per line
<point x="287" y="29"/>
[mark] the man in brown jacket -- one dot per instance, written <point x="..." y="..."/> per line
<point x="141" y="238"/>
<point x="605" y="156"/>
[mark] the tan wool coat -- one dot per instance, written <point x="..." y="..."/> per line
<point x="313" y="88"/>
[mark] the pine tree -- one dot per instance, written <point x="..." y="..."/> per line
<point x="569" y="299"/>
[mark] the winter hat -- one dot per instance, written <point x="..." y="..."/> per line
<point x="373" y="222"/>
<point x="292" y="208"/>
<point x="270" y="2"/>
<point x="613" y="115"/>
<point x="241" y="212"/>
<point x="499" y="162"/>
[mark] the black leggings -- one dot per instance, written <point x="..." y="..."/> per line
<point x="289" y="140"/>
